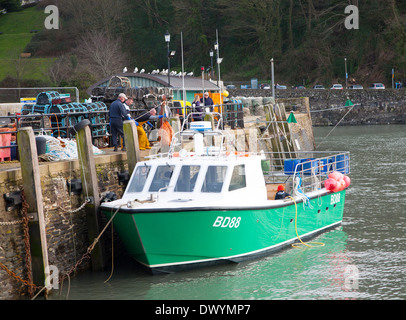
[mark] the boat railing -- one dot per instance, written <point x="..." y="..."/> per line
<point x="202" y="138"/>
<point x="215" y="116"/>
<point x="307" y="171"/>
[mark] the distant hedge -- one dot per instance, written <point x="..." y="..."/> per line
<point x="10" y="5"/>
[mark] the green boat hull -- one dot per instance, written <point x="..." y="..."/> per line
<point x="175" y="240"/>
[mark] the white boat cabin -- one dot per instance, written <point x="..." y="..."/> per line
<point x="197" y="178"/>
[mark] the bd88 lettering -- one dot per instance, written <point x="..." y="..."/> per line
<point x="224" y="222"/>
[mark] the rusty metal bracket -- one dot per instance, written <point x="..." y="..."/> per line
<point x="13" y="200"/>
<point x="123" y="178"/>
<point x="74" y="186"/>
<point x="33" y="216"/>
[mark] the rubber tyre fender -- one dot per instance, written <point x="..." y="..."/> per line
<point x="79" y="126"/>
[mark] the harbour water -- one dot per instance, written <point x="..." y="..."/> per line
<point x="362" y="259"/>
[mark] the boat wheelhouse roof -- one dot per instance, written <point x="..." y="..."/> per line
<point x="196" y="178"/>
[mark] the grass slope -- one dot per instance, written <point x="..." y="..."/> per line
<point x="16" y="34"/>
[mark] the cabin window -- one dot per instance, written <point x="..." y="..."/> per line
<point x="238" y="178"/>
<point x="187" y="179"/>
<point x="213" y="182"/>
<point x="139" y="179"/>
<point x="162" y="178"/>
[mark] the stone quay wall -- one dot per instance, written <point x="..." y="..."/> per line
<point x="327" y="106"/>
<point x="66" y="230"/>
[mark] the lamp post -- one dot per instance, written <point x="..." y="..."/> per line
<point x="273" y="79"/>
<point x="211" y="59"/>
<point x="346" y="73"/>
<point x="202" y="69"/>
<point x="168" y="40"/>
<point x="216" y="47"/>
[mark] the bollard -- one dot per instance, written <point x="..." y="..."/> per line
<point x="131" y="143"/>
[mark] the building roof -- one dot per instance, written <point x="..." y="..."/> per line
<point x="191" y="83"/>
<point x="158" y="80"/>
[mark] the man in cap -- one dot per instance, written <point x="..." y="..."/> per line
<point x="117" y="114"/>
<point x="207" y="101"/>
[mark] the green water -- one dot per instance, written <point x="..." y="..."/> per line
<point x="362" y="259"/>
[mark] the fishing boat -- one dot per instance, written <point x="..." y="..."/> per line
<point x="200" y="204"/>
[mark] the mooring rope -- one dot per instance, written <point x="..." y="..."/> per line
<point x="91" y="247"/>
<point x="352" y="107"/>
<point x="307" y="244"/>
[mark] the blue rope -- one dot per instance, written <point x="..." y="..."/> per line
<point x="306" y="199"/>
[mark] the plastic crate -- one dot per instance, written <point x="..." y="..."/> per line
<point x="5" y="140"/>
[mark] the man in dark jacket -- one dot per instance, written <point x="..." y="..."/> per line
<point x="281" y="194"/>
<point x="118" y="114"/>
<point x="207" y="101"/>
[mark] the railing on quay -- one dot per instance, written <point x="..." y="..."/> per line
<point x="232" y="113"/>
<point x="40" y="126"/>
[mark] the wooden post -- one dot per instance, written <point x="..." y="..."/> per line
<point x="175" y="124"/>
<point x="210" y="117"/>
<point x="131" y="144"/>
<point x="33" y="194"/>
<point x="91" y="190"/>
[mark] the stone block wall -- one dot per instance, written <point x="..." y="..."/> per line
<point x="327" y="106"/>
<point x="66" y="230"/>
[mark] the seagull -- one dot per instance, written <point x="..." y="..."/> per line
<point x="125" y="70"/>
<point x="142" y="71"/>
<point x="135" y="70"/>
<point x="190" y="74"/>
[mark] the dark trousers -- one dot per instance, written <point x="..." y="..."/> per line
<point x="116" y="127"/>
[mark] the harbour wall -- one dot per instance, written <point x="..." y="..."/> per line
<point x="327" y="107"/>
<point x="66" y="228"/>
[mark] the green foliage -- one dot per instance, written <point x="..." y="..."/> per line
<point x="32" y="68"/>
<point x="10" y="5"/>
<point x="16" y="28"/>
<point x="22" y="21"/>
<point x="306" y="38"/>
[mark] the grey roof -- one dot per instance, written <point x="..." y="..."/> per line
<point x="157" y="80"/>
<point x="191" y="83"/>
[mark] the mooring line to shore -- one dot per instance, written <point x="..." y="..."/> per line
<point x="352" y="107"/>
<point x="90" y="249"/>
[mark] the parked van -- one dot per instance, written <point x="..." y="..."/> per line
<point x="179" y="108"/>
<point x="377" y="86"/>
<point x="337" y="87"/>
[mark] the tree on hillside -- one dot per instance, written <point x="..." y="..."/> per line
<point x="307" y="38"/>
<point x="256" y="28"/>
<point x="60" y="71"/>
<point x="81" y="16"/>
<point x="197" y="20"/>
<point x="147" y="24"/>
<point x="100" y="54"/>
